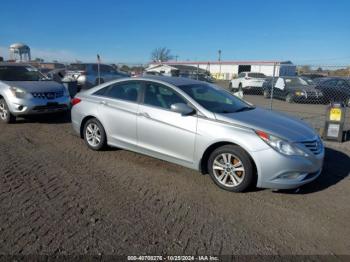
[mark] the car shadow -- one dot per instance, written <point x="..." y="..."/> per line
<point x="336" y="168"/>
<point x="45" y="119"/>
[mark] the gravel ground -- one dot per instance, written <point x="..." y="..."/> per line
<point x="58" y="197"/>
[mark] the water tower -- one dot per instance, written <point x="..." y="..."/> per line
<point x="20" y="52"/>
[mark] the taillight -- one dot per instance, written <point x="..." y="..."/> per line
<point x="75" y="101"/>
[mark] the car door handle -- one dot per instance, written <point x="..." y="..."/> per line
<point x="103" y="103"/>
<point x="144" y="114"/>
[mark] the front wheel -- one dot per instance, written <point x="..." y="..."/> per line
<point x="5" y="114"/>
<point x="290" y="98"/>
<point x="266" y="94"/>
<point x="94" y="134"/>
<point x="231" y="169"/>
<point x="347" y="102"/>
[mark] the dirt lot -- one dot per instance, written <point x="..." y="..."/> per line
<point x="57" y="196"/>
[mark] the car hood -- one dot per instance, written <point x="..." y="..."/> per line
<point x="309" y="88"/>
<point x="36" y="86"/>
<point x="275" y="123"/>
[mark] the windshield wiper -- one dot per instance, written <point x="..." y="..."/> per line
<point x="245" y="108"/>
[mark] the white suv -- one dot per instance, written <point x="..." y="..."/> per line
<point x="248" y="81"/>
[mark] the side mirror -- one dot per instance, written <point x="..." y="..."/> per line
<point x="182" y="109"/>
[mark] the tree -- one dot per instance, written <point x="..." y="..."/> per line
<point x="125" y="68"/>
<point x="40" y="60"/>
<point x="161" y="54"/>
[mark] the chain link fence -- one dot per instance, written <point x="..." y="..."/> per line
<point x="303" y="91"/>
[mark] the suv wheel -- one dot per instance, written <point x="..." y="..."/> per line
<point x="5" y="114"/>
<point x="267" y="94"/>
<point x="97" y="82"/>
<point x="347" y="102"/>
<point x="290" y="98"/>
<point x="94" y="134"/>
<point x="231" y="169"/>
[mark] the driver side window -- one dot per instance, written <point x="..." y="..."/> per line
<point x="161" y="96"/>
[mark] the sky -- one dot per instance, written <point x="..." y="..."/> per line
<point x="121" y="31"/>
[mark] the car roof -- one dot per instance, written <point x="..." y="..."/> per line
<point x="176" y="81"/>
<point x="13" y="64"/>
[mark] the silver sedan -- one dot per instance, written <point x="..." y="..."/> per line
<point x="200" y="126"/>
<point x="25" y="91"/>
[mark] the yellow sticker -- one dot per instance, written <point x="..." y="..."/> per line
<point x="335" y="114"/>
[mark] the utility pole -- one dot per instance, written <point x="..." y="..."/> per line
<point x="219" y="52"/>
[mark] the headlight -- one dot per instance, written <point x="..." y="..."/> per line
<point x="17" y="92"/>
<point x="300" y="93"/>
<point x="280" y="145"/>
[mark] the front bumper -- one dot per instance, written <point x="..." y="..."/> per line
<point x="34" y="106"/>
<point x="274" y="169"/>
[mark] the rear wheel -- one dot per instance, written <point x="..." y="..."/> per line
<point x="290" y="98"/>
<point x="94" y="134"/>
<point x="231" y="169"/>
<point x="266" y="94"/>
<point x="5" y="114"/>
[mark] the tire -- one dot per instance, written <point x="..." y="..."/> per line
<point x="290" y="98"/>
<point x="236" y="180"/>
<point x="94" y="135"/>
<point x="266" y="94"/>
<point x="99" y="82"/>
<point x="347" y="102"/>
<point x="230" y="87"/>
<point x="5" y="114"/>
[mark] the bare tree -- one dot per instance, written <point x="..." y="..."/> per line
<point x="161" y="54"/>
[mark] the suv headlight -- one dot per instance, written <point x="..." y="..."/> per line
<point x="282" y="146"/>
<point x="18" y="92"/>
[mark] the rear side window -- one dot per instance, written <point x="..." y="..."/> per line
<point x="256" y="75"/>
<point x="77" y="67"/>
<point x="128" y="91"/>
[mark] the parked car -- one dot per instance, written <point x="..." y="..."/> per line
<point x="200" y="126"/>
<point x="86" y="74"/>
<point x="293" y="89"/>
<point x="248" y="81"/>
<point x="335" y="89"/>
<point x="25" y="91"/>
<point x="200" y="76"/>
<point x="56" y="74"/>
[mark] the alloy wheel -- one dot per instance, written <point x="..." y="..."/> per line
<point x="228" y="170"/>
<point x="93" y="135"/>
<point x="3" y="112"/>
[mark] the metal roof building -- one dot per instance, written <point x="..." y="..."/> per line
<point x="226" y="70"/>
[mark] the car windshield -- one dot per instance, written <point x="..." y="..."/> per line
<point x="256" y="75"/>
<point x="215" y="99"/>
<point x="296" y="81"/>
<point x="77" y="67"/>
<point x="20" y="73"/>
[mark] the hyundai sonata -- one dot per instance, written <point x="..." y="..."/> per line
<point x="200" y="126"/>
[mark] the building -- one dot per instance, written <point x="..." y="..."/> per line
<point x="226" y="70"/>
<point x="19" y="52"/>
